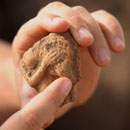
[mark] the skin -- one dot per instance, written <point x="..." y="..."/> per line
<point x="95" y="33"/>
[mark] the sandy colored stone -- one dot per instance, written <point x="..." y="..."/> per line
<point x="54" y="56"/>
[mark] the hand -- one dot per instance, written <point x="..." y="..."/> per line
<point x="95" y="33"/>
<point x="39" y="112"/>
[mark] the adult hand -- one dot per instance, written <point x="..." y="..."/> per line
<point x="95" y="33"/>
<point x="39" y="112"/>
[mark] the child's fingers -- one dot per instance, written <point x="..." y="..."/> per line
<point x="99" y="49"/>
<point x="41" y="108"/>
<point x="111" y="29"/>
<point x="34" y="30"/>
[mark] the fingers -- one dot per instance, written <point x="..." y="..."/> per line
<point x="99" y="49"/>
<point x="111" y="29"/>
<point x="58" y="17"/>
<point x="34" y="30"/>
<point x="78" y="27"/>
<point x="27" y="94"/>
<point x="80" y="31"/>
<point x="39" y="110"/>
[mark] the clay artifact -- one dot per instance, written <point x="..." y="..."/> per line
<point x="56" y="55"/>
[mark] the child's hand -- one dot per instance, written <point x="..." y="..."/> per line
<point x="94" y="32"/>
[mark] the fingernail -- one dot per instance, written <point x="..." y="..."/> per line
<point x="66" y="86"/>
<point x="103" y="56"/>
<point x="84" y="33"/>
<point x="57" y="19"/>
<point x="119" y="43"/>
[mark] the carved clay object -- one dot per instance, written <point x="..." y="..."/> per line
<point x="56" y="55"/>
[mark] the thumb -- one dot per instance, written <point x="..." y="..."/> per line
<point x="38" y="111"/>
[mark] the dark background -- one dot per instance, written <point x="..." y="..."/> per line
<point x="109" y="108"/>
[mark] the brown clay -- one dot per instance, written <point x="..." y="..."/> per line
<point x="54" y="56"/>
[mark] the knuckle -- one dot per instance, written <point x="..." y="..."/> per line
<point x="112" y="19"/>
<point x="102" y="11"/>
<point x="56" y="3"/>
<point x="79" y="8"/>
<point x="40" y="12"/>
<point x="30" y="119"/>
<point x="113" y="22"/>
<point x="50" y="5"/>
<point x="75" y="18"/>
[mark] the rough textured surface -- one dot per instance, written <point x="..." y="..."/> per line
<point x="54" y="56"/>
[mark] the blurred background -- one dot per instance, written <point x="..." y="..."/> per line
<point x="109" y="108"/>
